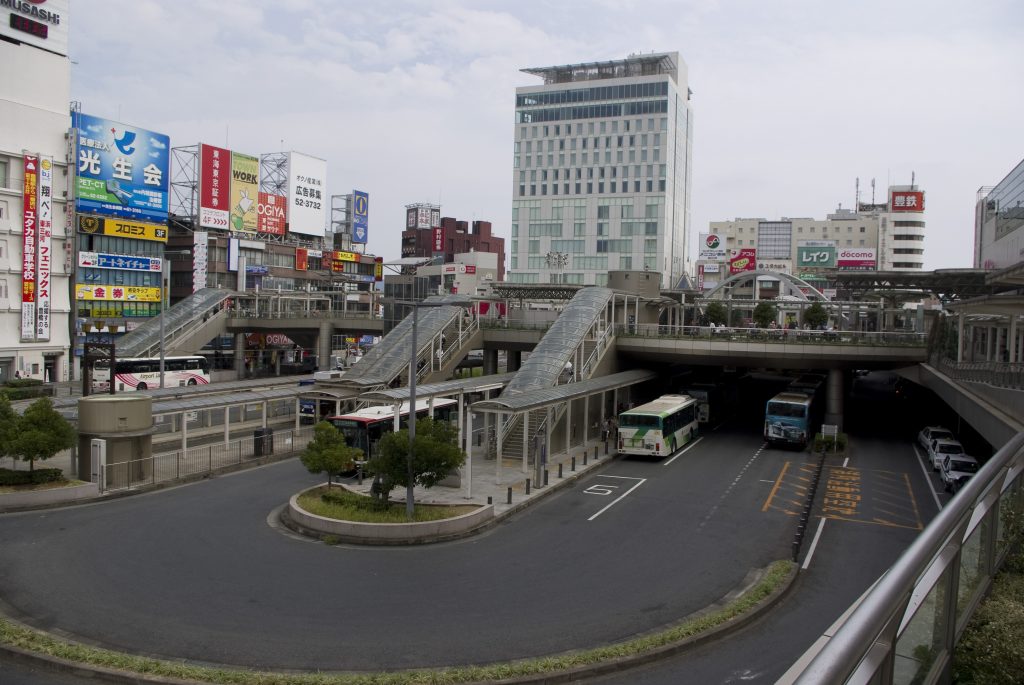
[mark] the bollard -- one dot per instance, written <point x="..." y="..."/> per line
<point x="572" y="466"/>
<point x="584" y="457"/>
<point x="359" y="473"/>
<point x="606" y="449"/>
<point x="559" y="469"/>
<point x="595" y="450"/>
<point x="545" y="476"/>
<point x="527" y="486"/>
<point x="509" y="501"/>
<point x="490" y="500"/>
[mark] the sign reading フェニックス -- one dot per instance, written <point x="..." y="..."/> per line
<point x="360" y="216"/>
<point x="30" y="227"/>
<point x="271" y="214"/>
<point x="139" y="230"/>
<point x="712" y="246"/>
<point x="307" y="194"/>
<point x="200" y="259"/>
<point x="44" y="244"/>
<point x="817" y="256"/>
<point x="742" y="260"/>
<point x="41" y="23"/>
<point x="857" y="258"/>
<point x="906" y="201"/>
<point x="121" y="170"/>
<point x="245" y="189"/>
<point x="214" y="187"/>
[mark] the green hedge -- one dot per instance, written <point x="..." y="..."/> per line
<point x="35" y="477"/>
<point x="991" y="651"/>
<point x="23" y="389"/>
<point x="830" y="444"/>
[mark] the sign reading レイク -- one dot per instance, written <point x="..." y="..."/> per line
<point x="28" y="247"/>
<point x="214" y="187"/>
<point x="44" y="243"/>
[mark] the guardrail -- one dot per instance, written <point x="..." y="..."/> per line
<point x="906" y="626"/>
<point x="999" y="374"/>
<point x="261" y="313"/>
<point x="774" y="335"/>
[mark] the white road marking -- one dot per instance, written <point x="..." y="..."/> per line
<point x="732" y="485"/>
<point x="845" y="462"/>
<point x="927" y="478"/>
<point x="683" y="451"/>
<point x="619" y="498"/>
<point x="814" y="543"/>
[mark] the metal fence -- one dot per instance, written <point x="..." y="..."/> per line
<point x="906" y="627"/>
<point x="775" y="335"/>
<point x="999" y="374"/>
<point x="203" y="459"/>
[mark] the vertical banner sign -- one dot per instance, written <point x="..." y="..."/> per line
<point x="438" y="239"/>
<point x="307" y="194"/>
<point x="378" y="269"/>
<point x="233" y="254"/>
<point x="700" y="277"/>
<point x="45" y="245"/>
<point x="214" y="186"/>
<point x="360" y="216"/>
<point x="270" y="214"/>
<point x="245" y="189"/>
<point x="301" y="259"/>
<point x="200" y="257"/>
<point x="28" y="248"/>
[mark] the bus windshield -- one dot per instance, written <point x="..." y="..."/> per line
<point x="787" y="409"/>
<point x="639" y="421"/>
<point x="354" y="432"/>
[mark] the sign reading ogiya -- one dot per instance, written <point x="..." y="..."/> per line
<point x="271" y="214"/>
<point x="124" y="229"/>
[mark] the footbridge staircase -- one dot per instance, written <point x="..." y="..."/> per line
<point x="188" y="326"/>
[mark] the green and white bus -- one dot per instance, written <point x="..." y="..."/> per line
<point x="658" y="428"/>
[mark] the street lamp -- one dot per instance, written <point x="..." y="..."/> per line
<point x="448" y="302"/>
<point x="558" y="261"/>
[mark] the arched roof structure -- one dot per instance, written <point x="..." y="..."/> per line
<point x="792" y="288"/>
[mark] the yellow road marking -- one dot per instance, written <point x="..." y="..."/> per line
<point x="775" y="488"/>
<point x="913" y="501"/>
<point x="876" y="522"/>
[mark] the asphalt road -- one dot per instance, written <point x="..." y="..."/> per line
<point x="197" y="571"/>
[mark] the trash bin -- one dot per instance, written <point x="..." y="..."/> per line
<point x="263" y="442"/>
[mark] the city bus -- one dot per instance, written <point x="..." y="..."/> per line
<point x="787" y="418"/>
<point x="365" y="427"/>
<point x="144" y="373"/>
<point x="658" y="428"/>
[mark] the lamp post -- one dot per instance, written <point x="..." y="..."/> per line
<point x="558" y="261"/>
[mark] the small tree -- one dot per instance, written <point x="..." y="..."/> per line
<point x="716" y="313"/>
<point x="8" y="426"/>
<point x="435" y="454"/>
<point x="41" y="433"/>
<point x="327" y="452"/>
<point x="815" y="316"/>
<point x="764" y="314"/>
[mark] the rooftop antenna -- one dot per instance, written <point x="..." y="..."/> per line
<point x="912" y="176"/>
<point x="856" y="195"/>
<point x="872" y="191"/>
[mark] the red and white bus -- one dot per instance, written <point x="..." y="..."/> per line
<point x="143" y="374"/>
<point x="364" y="428"/>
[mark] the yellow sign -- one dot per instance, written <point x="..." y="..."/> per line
<point x="245" y="190"/>
<point x="346" y="256"/>
<point x="117" y="293"/>
<point x="123" y="228"/>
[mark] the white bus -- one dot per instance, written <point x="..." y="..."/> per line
<point x="143" y="374"/>
<point x="658" y="428"/>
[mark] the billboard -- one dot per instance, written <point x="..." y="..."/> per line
<point x="44" y="244"/>
<point x="742" y="260"/>
<point x="102" y="260"/>
<point x="116" y="293"/>
<point x="41" y="23"/>
<point x="122" y="170"/>
<point x="139" y="230"/>
<point x="422" y="217"/>
<point x="857" y="258"/>
<point x="820" y="256"/>
<point x="906" y="201"/>
<point x="307" y="194"/>
<point x="30" y="225"/>
<point x="712" y="246"/>
<point x="438" y="239"/>
<point x="214" y="186"/>
<point x="360" y="216"/>
<point x="245" y="190"/>
<point x="301" y="259"/>
<point x="271" y="213"/>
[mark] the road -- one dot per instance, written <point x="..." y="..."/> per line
<point x="197" y="572"/>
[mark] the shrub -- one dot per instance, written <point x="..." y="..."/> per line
<point x="830" y="444"/>
<point x="12" y="478"/>
<point x="992" y="648"/>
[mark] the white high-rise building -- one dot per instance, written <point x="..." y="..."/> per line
<point x="602" y="171"/>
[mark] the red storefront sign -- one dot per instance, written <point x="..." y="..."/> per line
<point x="301" y="258"/>
<point x="743" y="260"/>
<point x="271" y="214"/>
<point x="28" y="247"/>
<point x="214" y="186"/>
<point x="907" y="201"/>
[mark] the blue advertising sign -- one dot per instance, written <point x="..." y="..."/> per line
<point x="257" y="269"/>
<point x="102" y="260"/>
<point x="121" y="170"/>
<point x="360" y="216"/>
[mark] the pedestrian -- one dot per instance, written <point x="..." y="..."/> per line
<point x="17" y="374"/>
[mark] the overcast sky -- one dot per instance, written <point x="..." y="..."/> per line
<point x="414" y="101"/>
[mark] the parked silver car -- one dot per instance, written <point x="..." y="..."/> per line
<point x="938" y="450"/>
<point x="930" y="433"/>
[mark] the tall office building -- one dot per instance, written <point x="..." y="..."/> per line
<point x="601" y="171"/>
<point x="999" y="222"/>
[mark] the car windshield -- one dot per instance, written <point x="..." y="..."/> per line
<point x="963" y="465"/>
<point x="941" y="435"/>
<point x="950" y="448"/>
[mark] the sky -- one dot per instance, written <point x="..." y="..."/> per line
<point x="413" y="101"/>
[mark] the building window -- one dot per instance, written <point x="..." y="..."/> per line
<point x="580" y="227"/>
<point x="603" y="212"/>
<point x="3" y="174"/>
<point x="650" y="245"/>
<point x="651" y="228"/>
<point x="602" y="228"/>
<point x="534" y="246"/>
<point x="651" y="211"/>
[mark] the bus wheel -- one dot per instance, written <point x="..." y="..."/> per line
<point x="141" y="386"/>
<point x="191" y="381"/>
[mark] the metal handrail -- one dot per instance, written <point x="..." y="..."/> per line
<point x="774" y="335"/>
<point x="1000" y="374"/>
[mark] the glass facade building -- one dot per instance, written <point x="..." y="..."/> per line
<point x="999" y="218"/>
<point x="601" y="171"/>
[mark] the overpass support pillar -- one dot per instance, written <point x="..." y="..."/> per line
<point x="323" y="347"/>
<point x="490" y="362"/>
<point x="834" y="398"/>
<point x="515" y="360"/>
<point x="240" y="354"/>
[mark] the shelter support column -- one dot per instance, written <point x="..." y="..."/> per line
<point x="568" y="425"/>
<point x="526" y="440"/>
<point x="323" y="346"/>
<point x="538" y="462"/>
<point x="469" y="450"/>
<point x="515" y="360"/>
<point x="961" y="321"/>
<point x="490" y="362"/>
<point x="240" y="354"/>
<point x="834" y="398"/>
<point x="298" y="418"/>
<point x="227" y="421"/>
<point x="586" y="420"/>
<point x="499" y="448"/>
<point x="1011" y="343"/>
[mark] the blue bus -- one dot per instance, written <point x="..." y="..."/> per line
<point x="787" y="418"/>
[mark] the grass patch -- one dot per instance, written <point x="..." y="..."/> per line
<point x="42" y="643"/>
<point x="55" y="485"/>
<point x="343" y="505"/>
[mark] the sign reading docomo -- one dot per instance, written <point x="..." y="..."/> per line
<point x="123" y="229"/>
<point x="307" y="194"/>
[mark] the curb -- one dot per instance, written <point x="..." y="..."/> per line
<point x="106" y="674"/>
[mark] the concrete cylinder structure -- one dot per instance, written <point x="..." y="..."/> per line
<point x="834" y="398"/>
<point x="126" y="423"/>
